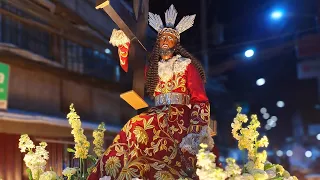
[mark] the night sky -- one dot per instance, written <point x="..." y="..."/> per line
<point x="248" y="24"/>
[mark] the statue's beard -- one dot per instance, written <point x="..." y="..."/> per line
<point x="166" y="51"/>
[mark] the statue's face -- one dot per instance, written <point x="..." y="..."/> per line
<point x="167" y="45"/>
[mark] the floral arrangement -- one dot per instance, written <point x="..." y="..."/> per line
<point x="36" y="156"/>
<point x="257" y="167"/>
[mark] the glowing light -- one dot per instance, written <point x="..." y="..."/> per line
<point x="221" y="158"/>
<point x="318" y="137"/>
<point x="261" y="82"/>
<point x="289" y="153"/>
<point x="266" y="116"/>
<point x="279" y="153"/>
<point x="267" y="127"/>
<point x="276" y="14"/>
<point x="274" y="118"/>
<point x="280" y="104"/>
<point x="263" y="110"/>
<point x="107" y="51"/>
<point x="273" y="124"/>
<point x="249" y="53"/>
<point x="308" y="154"/>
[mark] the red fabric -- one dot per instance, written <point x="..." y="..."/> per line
<point x="195" y="85"/>
<point x="148" y="145"/>
<point x="123" y="51"/>
<point x="152" y="146"/>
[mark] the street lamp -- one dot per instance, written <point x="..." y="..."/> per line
<point x="289" y="153"/>
<point x="107" y="51"/>
<point x="279" y="153"/>
<point x="276" y="14"/>
<point x="263" y="110"/>
<point x="249" y="53"/>
<point x="308" y="154"/>
<point x="280" y="104"/>
<point x="260" y="81"/>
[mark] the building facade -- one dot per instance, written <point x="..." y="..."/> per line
<point x="57" y="53"/>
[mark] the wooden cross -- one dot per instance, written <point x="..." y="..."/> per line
<point x="136" y="34"/>
<point x="135" y="29"/>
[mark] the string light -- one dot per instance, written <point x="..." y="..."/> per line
<point x="289" y="153"/>
<point x="279" y="153"/>
<point x="308" y="154"/>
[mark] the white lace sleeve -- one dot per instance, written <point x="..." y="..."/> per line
<point x="192" y="141"/>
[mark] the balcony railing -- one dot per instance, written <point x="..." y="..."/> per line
<point x="72" y="56"/>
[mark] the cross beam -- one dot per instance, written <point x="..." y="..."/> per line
<point x="135" y="29"/>
<point x="110" y="10"/>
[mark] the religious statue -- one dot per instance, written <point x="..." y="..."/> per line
<point x="162" y="142"/>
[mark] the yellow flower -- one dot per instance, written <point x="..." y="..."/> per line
<point x="25" y="143"/>
<point x="82" y="145"/>
<point x="263" y="142"/>
<point x="260" y="160"/>
<point x="280" y="169"/>
<point x="98" y="136"/>
<point x="112" y="166"/>
<point x="248" y="138"/>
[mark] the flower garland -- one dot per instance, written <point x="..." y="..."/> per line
<point x="257" y="167"/>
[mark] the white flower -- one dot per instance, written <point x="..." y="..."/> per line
<point x="232" y="169"/>
<point x="105" y="178"/>
<point x="249" y="166"/>
<point x="69" y="172"/>
<point x="49" y="175"/>
<point x="36" y="161"/>
<point x="259" y="174"/>
<point x="216" y="174"/>
<point x="244" y="176"/>
<point x="271" y="173"/>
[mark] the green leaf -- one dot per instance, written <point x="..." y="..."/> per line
<point x="92" y="158"/>
<point x="269" y="166"/>
<point x="277" y="178"/>
<point x="71" y="150"/>
<point x="29" y="174"/>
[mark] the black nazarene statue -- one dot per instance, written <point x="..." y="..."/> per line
<point x="162" y="142"/>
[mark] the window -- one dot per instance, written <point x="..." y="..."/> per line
<point x="72" y="56"/>
<point x="23" y="36"/>
<point x="98" y="64"/>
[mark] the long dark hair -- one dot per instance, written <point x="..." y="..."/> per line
<point x="152" y="73"/>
